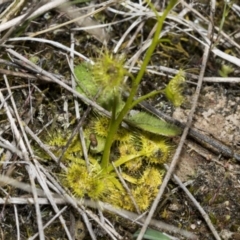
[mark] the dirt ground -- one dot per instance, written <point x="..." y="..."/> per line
<point x="215" y="179"/>
<point x="211" y="175"/>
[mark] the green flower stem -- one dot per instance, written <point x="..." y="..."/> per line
<point x="114" y="109"/>
<point x="142" y="98"/>
<point x="129" y="103"/>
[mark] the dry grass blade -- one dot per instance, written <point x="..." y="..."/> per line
<point x="18" y="7"/>
<point x="82" y="210"/>
<point x="17" y="221"/>
<point x="50" y="198"/>
<point x="127" y="189"/>
<point x="198" y="206"/>
<point x="184" y="134"/>
<point x="41" y="109"/>
<point x="56" y="44"/>
<point x="30" y="169"/>
<point x="79" y="19"/>
<point x="76" y="104"/>
<point x="39" y="175"/>
<point x="90" y="25"/>
<point x="106" y="207"/>
<point x="41" y="10"/>
<point x="41" y="71"/>
<point x="52" y="220"/>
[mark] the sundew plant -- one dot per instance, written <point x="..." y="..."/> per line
<point x="137" y="148"/>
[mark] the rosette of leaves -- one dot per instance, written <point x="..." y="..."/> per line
<point x="139" y="155"/>
<point x="103" y="82"/>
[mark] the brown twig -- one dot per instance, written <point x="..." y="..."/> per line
<point x="207" y="141"/>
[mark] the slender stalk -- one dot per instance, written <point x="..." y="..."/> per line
<point x="151" y="94"/>
<point x="108" y="144"/>
<point x="129" y="103"/>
